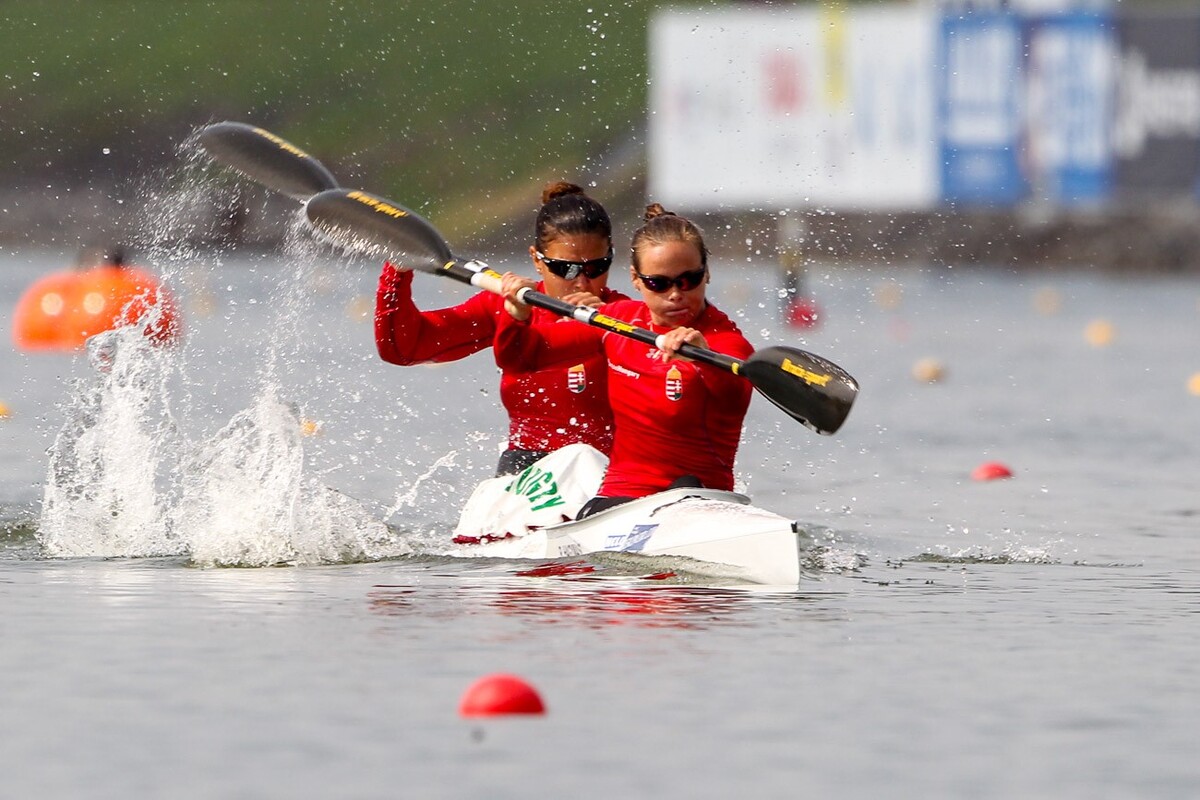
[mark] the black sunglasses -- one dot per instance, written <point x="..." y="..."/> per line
<point x="569" y="270"/>
<point x="686" y="281"/>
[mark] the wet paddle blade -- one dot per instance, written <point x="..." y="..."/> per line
<point x="813" y="391"/>
<point x="266" y="159"/>
<point x="366" y="222"/>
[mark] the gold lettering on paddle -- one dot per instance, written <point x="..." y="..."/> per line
<point x="800" y="372"/>
<point x="282" y="144"/>
<point x="377" y="204"/>
<point x="612" y="324"/>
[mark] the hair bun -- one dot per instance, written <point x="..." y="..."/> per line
<point x="655" y="210"/>
<point x="557" y="189"/>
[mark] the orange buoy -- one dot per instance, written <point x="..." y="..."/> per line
<point x="60" y="311"/>
<point x="928" y="370"/>
<point x="500" y="694"/>
<point x="990" y="471"/>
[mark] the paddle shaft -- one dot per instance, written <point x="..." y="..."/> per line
<point x="812" y="390"/>
<point x="480" y="275"/>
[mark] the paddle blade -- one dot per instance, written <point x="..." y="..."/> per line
<point x="368" y="223"/>
<point x="813" y="391"/>
<point x="267" y="159"/>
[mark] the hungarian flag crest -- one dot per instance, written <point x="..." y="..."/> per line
<point x="674" y="383"/>
<point x="576" y="379"/>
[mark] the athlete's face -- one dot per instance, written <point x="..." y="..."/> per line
<point x="572" y="254"/>
<point x="677" y="272"/>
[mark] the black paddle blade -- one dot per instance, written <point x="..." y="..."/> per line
<point x="267" y="159"/>
<point x="366" y="222"/>
<point x="815" y="392"/>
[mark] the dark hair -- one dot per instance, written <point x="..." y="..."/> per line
<point x="662" y="226"/>
<point x="568" y="211"/>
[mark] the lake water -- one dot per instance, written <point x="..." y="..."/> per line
<point x="1031" y="637"/>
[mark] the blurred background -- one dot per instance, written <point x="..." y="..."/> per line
<point x="1042" y="133"/>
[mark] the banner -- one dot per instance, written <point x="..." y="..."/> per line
<point x="754" y="108"/>
<point x="898" y="108"/>
<point x="1157" y="129"/>
<point x="980" y="77"/>
<point x="1069" y="78"/>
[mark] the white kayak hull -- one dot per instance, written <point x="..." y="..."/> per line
<point x="719" y="532"/>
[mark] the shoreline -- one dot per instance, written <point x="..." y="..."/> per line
<point x="1163" y="239"/>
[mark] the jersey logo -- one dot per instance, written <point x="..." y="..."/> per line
<point x="674" y="383"/>
<point x="577" y="379"/>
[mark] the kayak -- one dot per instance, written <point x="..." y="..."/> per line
<point x="700" y="531"/>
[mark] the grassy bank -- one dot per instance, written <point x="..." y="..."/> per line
<point x="461" y="108"/>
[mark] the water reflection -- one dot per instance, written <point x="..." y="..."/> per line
<point x="585" y="601"/>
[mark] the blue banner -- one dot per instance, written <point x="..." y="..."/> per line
<point x="979" y="66"/>
<point x="1070" y="80"/>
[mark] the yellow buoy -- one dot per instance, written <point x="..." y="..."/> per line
<point x="888" y="295"/>
<point x="1047" y="301"/>
<point x="5" y="413"/>
<point x="1099" y="333"/>
<point x="928" y="370"/>
<point x="1194" y="384"/>
<point x="360" y="308"/>
<point x="310" y="427"/>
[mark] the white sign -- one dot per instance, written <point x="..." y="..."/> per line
<point x="753" y="108"/>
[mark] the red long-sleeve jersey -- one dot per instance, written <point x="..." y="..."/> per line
<point x="672" y="418"/>
<point x="547" y="409"/>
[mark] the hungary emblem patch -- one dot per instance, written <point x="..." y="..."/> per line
<point x="576" y="379"/>
<point x="674" y="383"/>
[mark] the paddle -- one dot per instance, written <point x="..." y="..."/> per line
<point x="808" y="388"/>
<point x="266" y="158"/>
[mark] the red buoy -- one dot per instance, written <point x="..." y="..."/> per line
<point x="990" y="471"/>
<point x="497" y="694"/>
<point x="802" y="312"/>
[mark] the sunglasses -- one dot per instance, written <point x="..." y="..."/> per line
<point x="570" y="270"/>
<point x="686" y="281"/>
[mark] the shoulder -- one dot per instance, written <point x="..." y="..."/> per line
<point x="715" y="319"/>
<point x="724" y="334"/>
<point x="624" y="308"/>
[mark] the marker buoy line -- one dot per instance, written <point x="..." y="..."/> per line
<point x="493" y="695"/>
<point x="990" y="471"/>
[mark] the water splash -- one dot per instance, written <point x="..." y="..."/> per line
<point x="125" y="482"/>
<point x="248" y="502"/>
<point x="109" y="475"/>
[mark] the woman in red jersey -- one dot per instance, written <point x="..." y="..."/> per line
<point x="547" y="408"/>
<point x="678" y="422"/>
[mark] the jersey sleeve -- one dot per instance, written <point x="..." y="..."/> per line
<point x="719" y="380"/>
<point x="406" y="335"/>
<point x="527" y="346"/>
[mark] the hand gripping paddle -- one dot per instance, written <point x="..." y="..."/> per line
<point x="810" y="389"/>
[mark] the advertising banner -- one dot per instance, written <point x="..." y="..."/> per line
<point x="808" y="108"/>
<point x="1157" y="128"/>
<point x="1069" y="86"/>
<point x="979" y="80"/>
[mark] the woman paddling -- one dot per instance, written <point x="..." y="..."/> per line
<point x="547" y="408"/>
<point x="678" y="422"/>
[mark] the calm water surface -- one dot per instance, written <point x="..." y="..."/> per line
<point x="1034" y="637"/>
